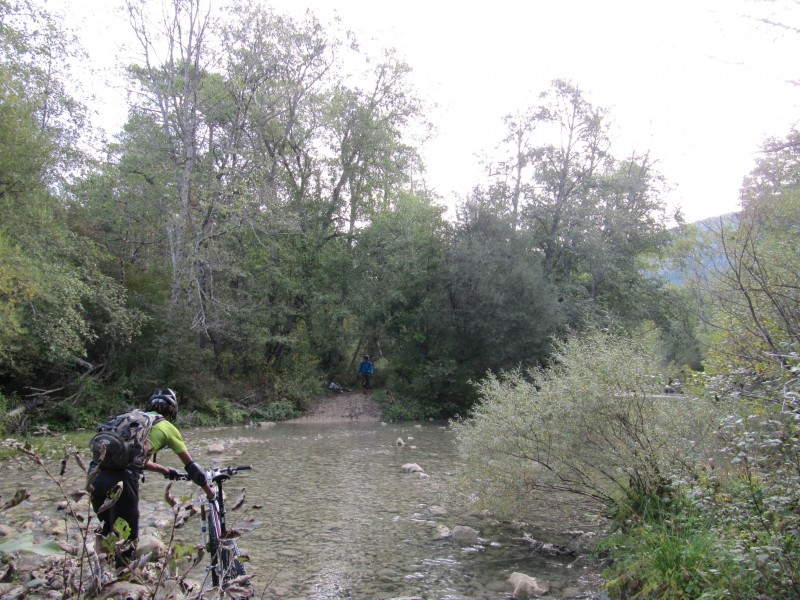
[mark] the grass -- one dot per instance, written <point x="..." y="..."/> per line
<point x="50" y="446"/>
<point x="670" y="559"/>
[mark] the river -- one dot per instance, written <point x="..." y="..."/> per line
<point x="341" y="520"/>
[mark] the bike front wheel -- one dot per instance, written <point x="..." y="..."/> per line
<point x="230" y="565"/>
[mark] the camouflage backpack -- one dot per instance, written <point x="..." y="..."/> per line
<point x="123" y="441"/>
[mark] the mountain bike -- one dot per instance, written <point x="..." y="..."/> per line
<point x="224" y="551"/>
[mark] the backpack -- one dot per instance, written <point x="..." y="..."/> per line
<point x="123" y="441"/>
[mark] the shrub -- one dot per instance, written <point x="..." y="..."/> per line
<point x="404" y="408"/>
<point x="214" y="411"/>
<point x="594" y="424"/>
<point x="297" y="388"/>
<point x="280" y="410"/>
<point x="730" y="530"/>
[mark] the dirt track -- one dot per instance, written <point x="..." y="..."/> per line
<point x="350" y="406"/>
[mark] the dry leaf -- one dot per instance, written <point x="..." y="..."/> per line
<point x="20" y="496"/>
<point x="114" y="495"/>
<point x="237" y="504"/>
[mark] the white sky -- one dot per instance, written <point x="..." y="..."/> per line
<point x="697" y="83"/>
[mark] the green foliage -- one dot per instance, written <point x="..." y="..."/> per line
<point x="217" y="411"/>
<point x="3" y="412"/>
<point x="398" y="408"/>
<point x="728" y="530"/>
<point x="279" y="410"/>
<point x="504" y="312"/>
<point x="256" y="225"/>
<point x="667" y="559"/>
<point x="746" y="267"/>
<point x="92" y="403"/>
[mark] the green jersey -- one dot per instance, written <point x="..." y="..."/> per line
<point x="164" y="434"/>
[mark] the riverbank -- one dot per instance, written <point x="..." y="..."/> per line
<point x="358" y="407"/>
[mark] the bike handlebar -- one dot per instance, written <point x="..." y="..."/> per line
<point x="214" y="473"/>
<point x="231" y="470"/>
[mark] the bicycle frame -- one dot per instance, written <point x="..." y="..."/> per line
<point x="225" y="565"/>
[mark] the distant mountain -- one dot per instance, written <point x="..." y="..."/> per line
<point x="709" y="255"/>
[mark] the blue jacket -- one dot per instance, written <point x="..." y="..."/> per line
<point x="366" y="367"/>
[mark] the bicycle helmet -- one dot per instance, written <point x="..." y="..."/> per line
<point x="164" y="402"/>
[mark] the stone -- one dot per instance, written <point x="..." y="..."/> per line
<point x="400" y="442"/>
<point x="464" y="534"/>
<point x="442" y="532"/>
<point x="7" y="531"/>
<point x="149" y="544"/>
<point x="215" y="448"/>
<point x="412" y="468"/>
<point x="125" y="589"/>
<point x="526" y="587"/>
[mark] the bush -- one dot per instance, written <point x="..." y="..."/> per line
<point x="594" y="424"/>
<point x="731" y="528"/>
<point x="404" y="408"/>
<point x="4" y="413"/>
<point x="214" y="411"/>
<point x="280" y="410"/>
<point x="297" y="388"/>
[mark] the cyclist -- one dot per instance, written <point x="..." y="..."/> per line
<point x="163" y="434"/>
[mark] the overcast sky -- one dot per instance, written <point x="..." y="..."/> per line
<point x="697" y="83"/>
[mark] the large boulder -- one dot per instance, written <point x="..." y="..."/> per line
<point x="526" y="587"/>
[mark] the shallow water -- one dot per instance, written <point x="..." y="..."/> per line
<point x="341" y="520"/>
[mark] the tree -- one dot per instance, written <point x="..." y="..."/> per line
<point x="404" y="317"/>
<point x="755" y="284"/>
<point x="564" y="174"/>
<point x="366" y="133"/>
<point x="504" y="312"/>
<point x="589" y="214"/>
<point x="57" y="309"/>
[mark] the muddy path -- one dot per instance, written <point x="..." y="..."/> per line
<point x="355" y="406"/>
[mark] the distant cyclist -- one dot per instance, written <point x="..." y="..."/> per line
<point x="160" y="410"/>
<point x="366" y="369"/>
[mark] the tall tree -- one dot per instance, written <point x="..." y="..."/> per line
<point x="170" y="90"/>
<point x="590" y="216"/>
<point x="401" y="303"/>
<point x="504" y="312"/>
<point x="564" y="173"/>
<point x="60" y="317"/>
<point x="370" y="157"/>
